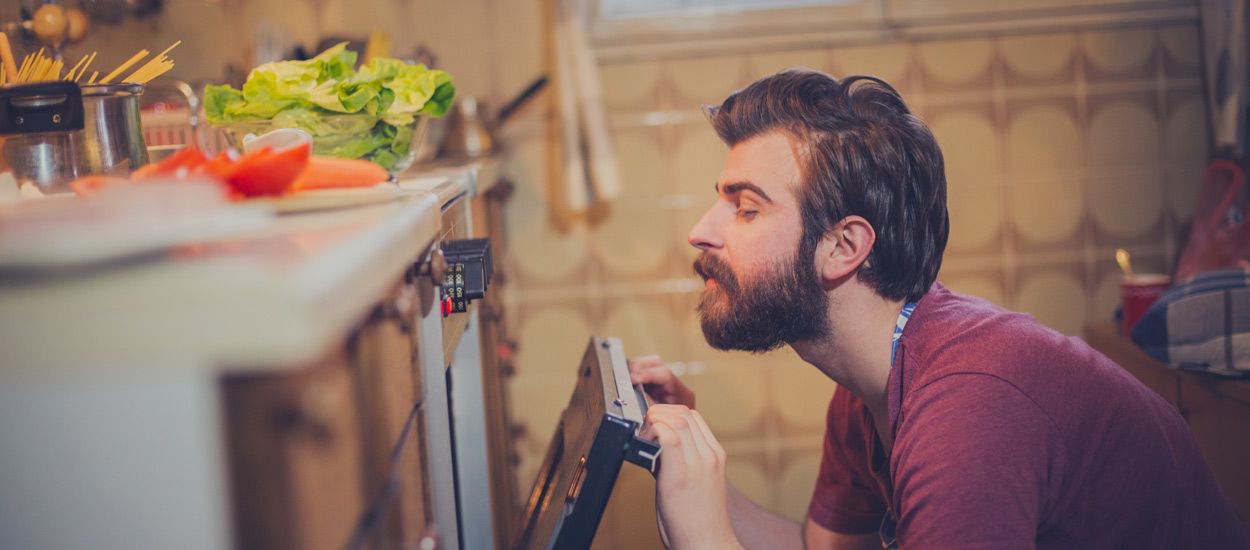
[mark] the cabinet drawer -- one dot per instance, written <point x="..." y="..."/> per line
<point x="295" y="456"/>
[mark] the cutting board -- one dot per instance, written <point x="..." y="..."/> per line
<point x="326" y="199"/>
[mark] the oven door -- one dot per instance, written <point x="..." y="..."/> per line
<point x="597" y="433"/>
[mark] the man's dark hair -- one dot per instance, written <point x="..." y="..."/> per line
<point x="861" y="152"/>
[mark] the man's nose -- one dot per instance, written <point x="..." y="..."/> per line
<point x="704" y="235"/>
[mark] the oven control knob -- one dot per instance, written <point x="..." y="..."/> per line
<point x="468" y="274"/>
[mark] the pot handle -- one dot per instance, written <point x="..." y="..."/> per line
<point x="40" y="107"/>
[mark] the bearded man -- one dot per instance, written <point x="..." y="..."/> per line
<point x="955" y="423"/>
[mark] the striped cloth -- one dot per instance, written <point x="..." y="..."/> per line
<point x="903" y="316"/>
<point x="1201" y="324"/>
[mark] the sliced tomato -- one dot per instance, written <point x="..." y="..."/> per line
<point x="177" y="165"/>
<point x="266" y="172"/>
<point x="90" y="185"/>
<point x="219" y="167"/>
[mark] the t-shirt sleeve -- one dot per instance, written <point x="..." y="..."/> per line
<point x="972" y="458"/>
<point x="845" y="500"/>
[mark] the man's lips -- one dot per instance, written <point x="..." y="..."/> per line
<point x="712" y="271"/>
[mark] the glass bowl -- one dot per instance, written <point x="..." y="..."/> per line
<point x="343" y="135"/>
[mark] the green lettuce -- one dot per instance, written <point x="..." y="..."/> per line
<point x="385" y="95"/>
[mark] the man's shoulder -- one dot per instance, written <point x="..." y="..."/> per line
<point x="954" y="330"/>
<point x="984" y="344"/>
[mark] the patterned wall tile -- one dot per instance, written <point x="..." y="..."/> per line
<point x="1046" y="215"/>
<point x="1124" y="178"/>
<point x="629" y="521"/>
<point x="550" y="341"/>
<point x="976" y="213"/>
<point x="1186" y="141"/>
<point x="1123" y="132"/>
<point x="1045" y="195"/>
<point x="698" y="159"/>
<point x="1056" y="295"/>
<point x="764" y="64"/>
<point x="705" y="80"/>
<point x="624" y="241"/>
<point x="796" y="483"/>
<point x="973" y="154"/>
<point x="987" y="284"/>
<point x="1182" y="46"/>
<point x="1120" y="54"/>
<point x="1043" y="140"/>
<point x="543" y="253"/>
<point x="516" y="25"/>
<point x="889" y="62"/>
<point x="1126" y="208"/>
<point x="646" y="325"/>
<point x="631" y="86"/>
<point x="1038" y="58"/>
<point x="748" y="474"/>
<point x="731" y="388"/>
<point x="955" y="64"/>
<point x="800" y="394"/>
<point x="537" y="405"/>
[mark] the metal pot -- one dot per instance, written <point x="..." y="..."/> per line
<point x="57" y="131"/>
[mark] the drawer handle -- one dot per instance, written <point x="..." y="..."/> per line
<point x="313" y="412"/>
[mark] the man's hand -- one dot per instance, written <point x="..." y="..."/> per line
<point x="691" y="487"/>
<point x="659" y="381"/>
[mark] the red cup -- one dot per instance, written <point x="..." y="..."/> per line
<point x="1137" y="293"/>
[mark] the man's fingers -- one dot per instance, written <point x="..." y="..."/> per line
<point x="697" y="435"/>
<point x="713" y="445"/>
<point x="659" y="381"/>
<point x="657" y="373"/>
<point x="671" y="459"/>
<point x="694" y="448"/>
<point x="644" y="362"/>
<point x="654" y="414"/>
<point x="687" y="447"/>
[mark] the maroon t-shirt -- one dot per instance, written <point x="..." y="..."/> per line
<point x="1010" y="435"/>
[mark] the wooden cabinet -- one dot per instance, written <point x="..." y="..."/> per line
<point x="1217" y="409"/>
<point x="331" y="455"/>
<point x="295" y="456"/>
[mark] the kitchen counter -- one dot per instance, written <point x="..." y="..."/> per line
<point x="270" y="299"/>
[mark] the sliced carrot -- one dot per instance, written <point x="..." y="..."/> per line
<point x="330" y="172"/>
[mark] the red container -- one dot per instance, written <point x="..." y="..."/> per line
<point x="1137" y="293"/>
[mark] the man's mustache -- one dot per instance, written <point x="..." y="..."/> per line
<point x="711" y="267"/>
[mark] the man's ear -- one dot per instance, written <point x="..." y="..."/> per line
<point x="844" y="248"/>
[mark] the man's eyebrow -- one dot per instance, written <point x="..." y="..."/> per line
<point x="740" y="186"/>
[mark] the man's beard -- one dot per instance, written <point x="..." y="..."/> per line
<point x="784" y="304"/>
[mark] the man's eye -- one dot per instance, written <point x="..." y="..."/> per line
<point x="748" y="215"/>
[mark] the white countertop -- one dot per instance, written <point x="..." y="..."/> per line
<point x="276" y="297"/>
